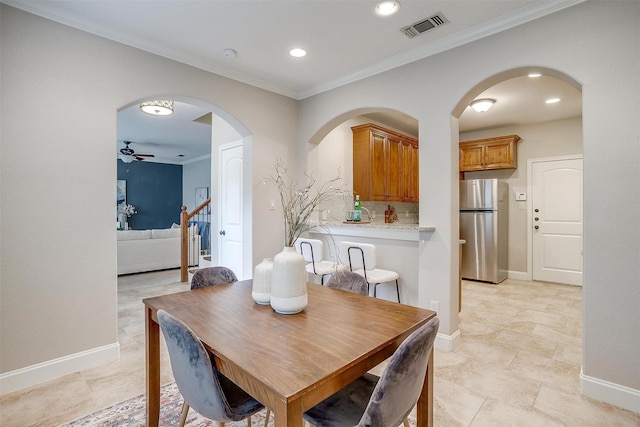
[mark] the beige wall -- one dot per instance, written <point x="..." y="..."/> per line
<point x="549" y="139"/>
<point x="604" y="61"/>
<point x="61" y="90"/>
<point x="57" y="166"/>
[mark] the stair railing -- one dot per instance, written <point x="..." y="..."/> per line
<point x="184" y="243"/>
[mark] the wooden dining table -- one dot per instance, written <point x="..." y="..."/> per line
<point x="287" y="362"/>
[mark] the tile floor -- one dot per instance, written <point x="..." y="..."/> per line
<point x="518" y="362"/>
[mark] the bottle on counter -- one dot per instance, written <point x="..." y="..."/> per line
<point x="357" y="209"/>
<point x="387" y="213"/>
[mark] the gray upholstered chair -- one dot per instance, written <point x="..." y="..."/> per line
<point x="210" y="276"/>
<point x="202" y="386"/>
<point x="349" y="281"/>
<point x="385" y="401"/>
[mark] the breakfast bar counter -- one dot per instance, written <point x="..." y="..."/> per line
<point x="397" y="248"/>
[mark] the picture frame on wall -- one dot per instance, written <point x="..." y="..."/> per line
<point x="202" y="194"/>
<point x="121" y="195"/>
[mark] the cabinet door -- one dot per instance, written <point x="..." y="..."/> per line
<point x="394" y="171"/>
<point x="410" y="173"/>
<point x="378" y="166"/>
<point x="499" y="155"/>
<point x="471" y="157"/>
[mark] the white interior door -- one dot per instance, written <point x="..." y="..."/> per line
<point x="557" y="220"/>
<point x="230" y="207"/>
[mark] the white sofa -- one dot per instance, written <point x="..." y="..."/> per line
<point x="155" y="249"/>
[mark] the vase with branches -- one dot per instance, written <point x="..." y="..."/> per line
<point x="289" y="279"/>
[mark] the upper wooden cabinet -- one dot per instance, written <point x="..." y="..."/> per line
<point x="385" y="164"/>
<point x="490" y="153"/>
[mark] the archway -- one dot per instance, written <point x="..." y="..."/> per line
<point x="550" y="139"/>
<point x="198" y="128"/>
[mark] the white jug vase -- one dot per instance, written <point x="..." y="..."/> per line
<point x="289" y="282"/>
<point x="261" y="289"/>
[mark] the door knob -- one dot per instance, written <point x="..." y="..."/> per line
<point x="536" y="227"/>
<point x="222" y="232"/>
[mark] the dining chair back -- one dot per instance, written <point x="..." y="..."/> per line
<point x="313" y="252"/>
<point x="210" y="276"/>
<point x="202" y="386"/>
<point x="362" y="259"/>
<point x="349" y="281"/>
<point x="384" y="401"/>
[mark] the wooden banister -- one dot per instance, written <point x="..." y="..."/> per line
<point x="184" y="242"/>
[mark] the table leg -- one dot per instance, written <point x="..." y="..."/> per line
<point x="425" y="402"/>
<point x="152" y="349"/>
<point x="288" y="415"/>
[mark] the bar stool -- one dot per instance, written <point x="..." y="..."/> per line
<point x="362" y="260"/>
<point x="312" y="250"/>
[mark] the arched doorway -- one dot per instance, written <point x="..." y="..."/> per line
<point x="189" y="140"/>
<point x="548" y="130"/>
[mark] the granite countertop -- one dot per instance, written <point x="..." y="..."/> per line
<point x="373" y="225"/>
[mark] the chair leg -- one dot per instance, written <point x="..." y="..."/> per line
<point x="183" y="414"/>
<point x="266" y="417"/>
<point x="220" y="424"/>
<point x="249" y="421"/>
<point x="398" y="290"/>
<point x="405" y="423"/>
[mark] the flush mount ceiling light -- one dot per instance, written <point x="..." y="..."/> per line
<point x="157" y="108"/>
<point x="482" y="105"/>
<point x="297" y="52"/>
<point x="387" y="7"/>
<point x="534" y="75"/>
<point x="552" y="100"/>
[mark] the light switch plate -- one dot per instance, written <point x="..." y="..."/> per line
<point x="521" y="197"/>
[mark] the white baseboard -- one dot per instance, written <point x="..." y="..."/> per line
<point x="447" y="342"/>
<point x="518" y="275"/>
<point x="56" y="368"/>
<point x="614" y="394"/>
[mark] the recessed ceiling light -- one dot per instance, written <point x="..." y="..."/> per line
<point x="534" y="75"/>
<point x="387" y="7"/>
<point x="552" y="100"/>
<point x="297" y="52"/>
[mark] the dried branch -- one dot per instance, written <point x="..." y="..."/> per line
<point x="299" y="203"/>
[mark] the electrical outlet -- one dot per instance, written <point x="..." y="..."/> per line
<point x="324" y="215"/>
<point x="373" y="214"/>
<point x="272" y="204"/>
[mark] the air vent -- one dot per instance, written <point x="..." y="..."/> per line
<point x="424" y="25"/>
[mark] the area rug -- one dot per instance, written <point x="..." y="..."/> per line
<point x="131" y="413"/>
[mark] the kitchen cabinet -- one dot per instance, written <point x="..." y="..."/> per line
<point x="385" y="164"/>
<point x="410" y="174"/>
<point x="489" y="153"/>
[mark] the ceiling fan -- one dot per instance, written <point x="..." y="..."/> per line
<point x="128" y="155"/>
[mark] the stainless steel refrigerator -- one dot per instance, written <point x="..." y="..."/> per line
<point x="484" y="224"/>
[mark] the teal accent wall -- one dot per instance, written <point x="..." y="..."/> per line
<point x="155" y="189"/>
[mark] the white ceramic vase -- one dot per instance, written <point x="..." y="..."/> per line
<point x="289" y="282"/>
<point x="261" y="290"/>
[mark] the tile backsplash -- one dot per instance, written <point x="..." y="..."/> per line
<point x="335" y="210"/>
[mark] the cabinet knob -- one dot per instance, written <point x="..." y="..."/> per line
<point x="222" y="232"/>
<point x="536" y="227"/>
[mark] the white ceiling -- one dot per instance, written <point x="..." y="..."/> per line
<point x="345" y="41"/>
